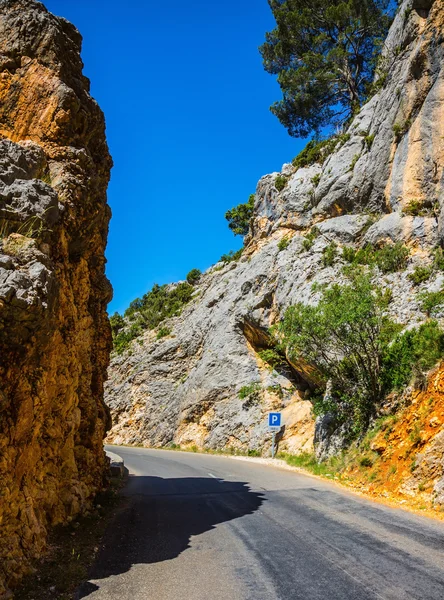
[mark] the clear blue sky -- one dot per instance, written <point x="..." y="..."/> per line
<point x="186" y="102"/>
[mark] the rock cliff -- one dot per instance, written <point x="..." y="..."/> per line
<point x="205" y="384"/>
<point x="54" y="332"/>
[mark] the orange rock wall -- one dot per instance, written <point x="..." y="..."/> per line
<point x="406" y="452"/>
<point x="54" y="335"/>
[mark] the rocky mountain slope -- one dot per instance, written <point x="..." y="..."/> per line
<point x="380" y="182"/>
<point x="54" y="333"/>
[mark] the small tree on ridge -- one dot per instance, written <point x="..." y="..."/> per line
<point x="239" y="217"/>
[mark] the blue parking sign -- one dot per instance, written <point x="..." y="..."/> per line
<point x="274" y="419"/>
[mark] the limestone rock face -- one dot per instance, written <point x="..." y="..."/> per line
<point x="394" y="150"/>
<point x="54" y="333"/>
<point x="189" y="388"/>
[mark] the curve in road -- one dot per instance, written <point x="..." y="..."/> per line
<point x="202" y="527"/>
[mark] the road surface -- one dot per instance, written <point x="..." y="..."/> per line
<point x="202" y="527"/>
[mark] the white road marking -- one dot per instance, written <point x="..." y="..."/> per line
<point x="213" y="476"/>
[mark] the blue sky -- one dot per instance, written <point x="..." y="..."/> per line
<point x="186" y="102"/>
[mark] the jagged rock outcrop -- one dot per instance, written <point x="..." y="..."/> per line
<point x="184" y="389"/>
<point x="54" y="332"/>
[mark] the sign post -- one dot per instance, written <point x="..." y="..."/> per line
<point x="274" y="425"/>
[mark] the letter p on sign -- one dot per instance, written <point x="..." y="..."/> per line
<point x="274" y="419"/>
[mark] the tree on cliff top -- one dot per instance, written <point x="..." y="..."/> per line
<point x="239" y="217"/>
<point x="323" y="52"/>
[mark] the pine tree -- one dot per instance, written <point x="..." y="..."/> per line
<point x="324" y="54"/>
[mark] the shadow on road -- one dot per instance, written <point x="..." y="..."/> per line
<point x="160" y="518"/>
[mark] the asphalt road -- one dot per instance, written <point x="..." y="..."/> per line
<point x="200" y="527"/>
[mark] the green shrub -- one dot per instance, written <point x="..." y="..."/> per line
<point x="369" y="139"/>
<point x="231" y="256"/>
<point x="415" y="350"/>
<point x="117" y="323"/>
<point x="397" y="130"/>
<point x="379" y="81"/>
<point x="420" y="274"/>
<point x="392" y="257"/>
<point x="385" y="295"/>
<point x="271" y="357"/>
<point x="365" y="255"/>
<point x="163" y="332"/>
<point x="123" y="339"/>
<point x="322" y="405"/>
<point x="249" y="390"/>
<point x="407" y="13"/>
<point x="354" y="161"/>
<point x="365" y="461"/>
<point x="349" y="339"/>
<point x="251" y="394"/>
<point x="380" y="78"/>
<point x="438" y="260"/>
<point x="239" y="217"/>
<point x="432" y="302"/>
<point x="310" y="238"/>
<point x="316" y="179"/>
<point x="280" y="182"/>
<point x="160" y="303"/>
<point x="193" y="276"/>
<point x="276" y="389"/>
<point x="389" y="258"/>
<point x="349" y="254"/>
<point x="253" y="453"/>
<point x="317" y="151"/>
<point x="283" y="244"/>
<point x="344" y="338"/>
<point x="415" y="435"/>
<point x="415" y="208"/>
<point x="400" y="129"/>
<point x="329" y="254"/>
<point x="361" y="256"/>
<point x="314" y="152"/>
